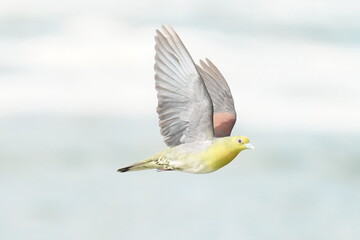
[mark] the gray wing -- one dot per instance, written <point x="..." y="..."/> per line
<point x="184" y="105"/>
<point x="224" y="110"/>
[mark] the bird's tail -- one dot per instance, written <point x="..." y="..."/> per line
<point x="147" y="164"/>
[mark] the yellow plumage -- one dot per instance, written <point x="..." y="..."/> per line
<point x="200" y="157"/>
<point x="224" y="150"/>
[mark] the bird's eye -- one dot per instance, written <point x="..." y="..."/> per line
<point x="239" y="141"/>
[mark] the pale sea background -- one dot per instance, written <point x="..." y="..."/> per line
<point x="77" y="101"/>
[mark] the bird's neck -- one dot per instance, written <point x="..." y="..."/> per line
<point x="220" y="153"/>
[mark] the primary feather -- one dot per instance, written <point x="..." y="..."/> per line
<point x="184" y="105"/>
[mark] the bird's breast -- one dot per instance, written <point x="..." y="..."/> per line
<point x="217" y="156"/>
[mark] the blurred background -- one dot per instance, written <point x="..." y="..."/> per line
<point x="77" y="101"/>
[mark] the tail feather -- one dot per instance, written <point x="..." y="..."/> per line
<point x="125" y="169"/>
<point x="139" y="166"/>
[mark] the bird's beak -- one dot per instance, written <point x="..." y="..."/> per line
<point x="249" y="146"/>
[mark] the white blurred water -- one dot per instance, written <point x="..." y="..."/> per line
<point x="77" y="101"/>
<point x="58" y="179"/>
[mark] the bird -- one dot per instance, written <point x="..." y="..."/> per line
<point x="195" y="109"/>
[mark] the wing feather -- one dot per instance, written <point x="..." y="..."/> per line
<point x="184" y="105"/>
<point x="224" y="110"/>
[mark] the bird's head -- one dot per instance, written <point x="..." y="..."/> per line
<point x="241" y="143"/>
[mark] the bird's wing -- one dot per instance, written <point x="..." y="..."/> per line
<point x="184" y="105"/>
<point x="224" y="110"/>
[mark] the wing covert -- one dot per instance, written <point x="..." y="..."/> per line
<point x="222" y="100"/>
